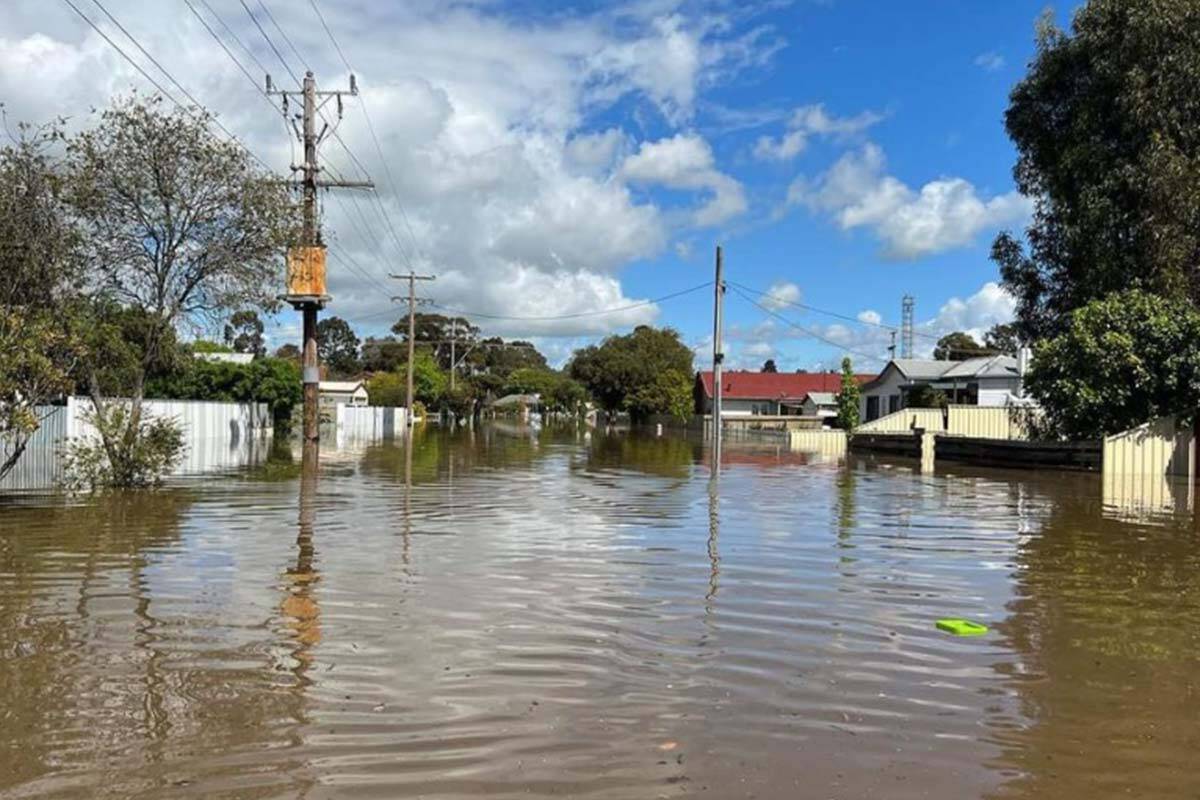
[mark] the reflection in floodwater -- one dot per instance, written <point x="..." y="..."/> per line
<point x="1138" y="496"/>
<point x="506" y="612"/>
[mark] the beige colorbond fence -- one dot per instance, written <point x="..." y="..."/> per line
<point x="1000" y="422"/>
<point x="905" y="420"/>
<point x="1161" y="447"/>
<point x="831" y="444"/>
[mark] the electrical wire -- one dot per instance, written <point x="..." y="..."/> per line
<point x="257" y="86"/>
<point x="834" y="314"/>
<point x="370" y="126"/>
<point x="737" y="290"/>
<point x="200" y="111"/>
<point x="578" y="315"/>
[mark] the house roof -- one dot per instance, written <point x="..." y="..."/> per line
<point x="741" y="385"/>
<point x="924" y="369"/>
<point x="349" y="387"/>
<point x="822" y="398"/>
<point x="518" y="399"/>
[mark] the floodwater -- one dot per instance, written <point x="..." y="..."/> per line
<point x="509" y="614"/>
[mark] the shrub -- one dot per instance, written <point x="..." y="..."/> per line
<point x="130" y="462"/>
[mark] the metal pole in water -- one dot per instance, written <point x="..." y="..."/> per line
<point x="718" y="357"/>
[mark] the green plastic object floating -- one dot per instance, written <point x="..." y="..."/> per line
<point x="962" y="627"/>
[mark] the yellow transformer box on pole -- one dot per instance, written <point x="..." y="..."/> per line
<point x="306" y="274"/>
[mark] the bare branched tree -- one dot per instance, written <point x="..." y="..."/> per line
<point x="179" y="223"/>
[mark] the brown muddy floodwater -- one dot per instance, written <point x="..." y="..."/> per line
<point x="552" y="615"/>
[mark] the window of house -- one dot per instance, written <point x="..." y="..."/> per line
<point x="872" y="408"/>
<point x="893" y="403"/>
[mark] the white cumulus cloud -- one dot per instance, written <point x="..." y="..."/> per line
<point x="943" y="214"/>
<point x="806" y="122"/>
<point x="685" y="161"/>
<point x="780" y="295"/>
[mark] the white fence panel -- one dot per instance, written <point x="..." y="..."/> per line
<point x="39" y="466"/>
<point x="217" y="436"/>
<point x="370" y="422"/>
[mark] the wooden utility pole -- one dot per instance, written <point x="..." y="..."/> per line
<point x="718" y="357"/>
<point x="412" y="279"/>
<point x="306" y="262"/>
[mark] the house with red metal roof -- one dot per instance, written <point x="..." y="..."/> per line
<point x="765" y="393"/>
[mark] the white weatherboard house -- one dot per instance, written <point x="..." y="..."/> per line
<point x="343" y="393"/>
<point x="984" y="381"/>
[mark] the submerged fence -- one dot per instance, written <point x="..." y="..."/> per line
<point x="359" y="423"/>
<point x="216" y="435"/>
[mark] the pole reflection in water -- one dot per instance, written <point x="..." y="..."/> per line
<point x="714" y="552"/>
<point x="300" y="607"/>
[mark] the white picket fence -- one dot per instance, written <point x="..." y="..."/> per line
<point x="218" y="435"/>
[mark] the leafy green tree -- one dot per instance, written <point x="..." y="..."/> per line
<point x="289" y="352"/>
<point x="1003" y="339"/>
<point x="568" y="396"/>
<point x="244" y="333"/>
<point x="383" y="354"/>
<point x="769" y="366"/>
<point x="1122" y="361"/>
<point x="497" y="357"/>
<point x="274" y="381"/>
<point x="177" y="224"/>
<point x="41" y="269"/>
<point x="668" y="393"/>
<point x="205" y="346"/>
<point x="634" y="365"/>
<point x="435" y="332"/>
<point x="391" y="388"/>
<point x="848" y="398"/>
<point x="958" y="346"/>
<point x="337" y="345"/>
<point x="530" y="380"/>
<point x="1107" y="131"/>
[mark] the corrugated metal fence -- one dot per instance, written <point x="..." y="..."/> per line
<point x="365" y="423"/>
<point x="217" y="436"/>
<point x="831" y="444"/>
<point x="905" y="420"/>
<point x="1162" y="447"/>
<point x="983" y="422"/>
<point x="979" y="422"/>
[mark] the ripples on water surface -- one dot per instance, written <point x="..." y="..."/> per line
<point x="553" y="616"/>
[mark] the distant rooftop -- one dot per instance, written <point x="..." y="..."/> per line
<point x="743" y="385"/>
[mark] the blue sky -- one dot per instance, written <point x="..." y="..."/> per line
<point x="549" y="159"/>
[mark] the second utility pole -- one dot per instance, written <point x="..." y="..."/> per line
<point x="718" y="357"/>
<point x="412" y="279"/>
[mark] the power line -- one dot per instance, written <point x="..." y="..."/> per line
<point x="201" y="112"/>
<point x="784" y="301"/>
<point x="370" y="126"/>
<point x="578" y="315"/>
<point x="286" y="40"/>
<point x="287" y="67"/>
<point x="253" y="82"/>
<point x="801" y="328"/>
